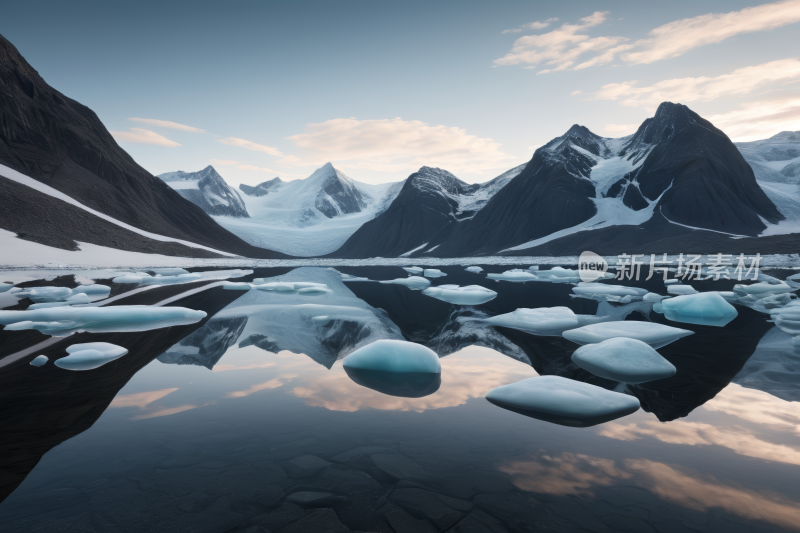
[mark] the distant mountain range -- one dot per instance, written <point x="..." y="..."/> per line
<point x="207" y="190"/>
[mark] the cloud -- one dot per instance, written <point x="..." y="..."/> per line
<point x="623" y="129"/>
<point x="562" y="46"/>
<point x="166" y="411"/>
<point x="757" y="406"/>
<point x="759" y="120"/>
<point x="138" y="135"/>
<point x="139" y="399"/>
<point x="267" y="385"/>
<point x="167" y="124"/>
<point x="680" y="36"/>
<point x="532" y="26"/>
<point x="740" y="81"/>
<point x="392" y="145"/>
<point x="737" y="439"/>
<point x="575" y="474"/>
<point x="250" y="145"/>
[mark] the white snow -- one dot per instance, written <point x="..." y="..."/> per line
<point x="388" y="355"/>
<point x="469" y="295"/>
<point x="420" y="247"/>
<point x="415" y="283"/>
<point x="22" y="179"/>
<point x="705" y="308"/>
<point x="563" y="401"/>
<point x="90" y="355"/>
<point x="624" y="360"/>
<point x="656" y="335"/>
<point x="63" y="321"/>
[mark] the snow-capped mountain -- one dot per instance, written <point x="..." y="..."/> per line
<point x="430" y="204"/>
<point x="207" y="190"/>
<point x="312" y="216"/>
<point x="65" y="181"/>
<point x="776" y="164"/>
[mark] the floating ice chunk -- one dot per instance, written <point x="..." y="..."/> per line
<point x="45" y="294"/>
<point x="515" y="275"/>
<point x="474" y="269"/>
<point x="653" y="297"/>
<point x="622" y="359"/>
<point x="90" y="355"/>
<point x="787" y="319"/>
<point x="157" y="280"/>
<point x="168" y="271"/>
<point x="563" y="401"/>
<point x="679" y="289"/>
<point x="62" y="321"/>
<point x="415" y="283"/>
<point x="469" y="295"/>
<point x="394" y="356"/>
<point x="729" y="296"/>
<point x="47" y="305"/>
<point x="39" y="360"/>
<point x="705" y="308"/>
<point x="94" y="291"/>
<point x="533" y="268"/>
<point x="235" y="286"/>
<point x="433" y="273"/>
<point x="6" y="287"/>
<point x="608" y="293"/>
<point x="544" y="321"/>
<point x="348" y="278"/>
<point x="656" y="335"/>
<point x="414" y="271"/>
<point x="301" y="287"/>
<point x="761" y="289"/>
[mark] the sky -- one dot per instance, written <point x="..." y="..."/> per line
<point x="265" y="89"/>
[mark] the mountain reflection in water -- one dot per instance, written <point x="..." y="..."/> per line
<point x="216" y="431"/>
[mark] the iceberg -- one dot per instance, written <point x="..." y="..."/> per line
<point x="624" y="360"/>
<point x="761" y="289"/>
<point x="168" y="271"/>
<point x="156" y="280"/>
<point x="90" y="355"/>
<point x="608" y="293"/>
<point x="679" y="289"/>
<point x="433" y="273"/>
<point x="236" y="286"/>
<point x="656" y="335"/>
<point x="94" y="291"/>
<point x="544" y="321"/>
<point x="787" y="319"/>
<point x="652" y="297"/>
<point x="515" y="275"/>
<point x="63" y="321"/>
<point x="389" y="355"/>
<point x="469" y="295"/>
<point x="415" y="283"/>
<point x="705" y="309"/>
<point x="414" y="271"/>
<point x="45" y="294"/>
<point x="8" y="286"/>
<point x="39" y="360"/>
<point x="474" y="269"/>
<point x="533" y="268"/>
<point x="563" y="401"/>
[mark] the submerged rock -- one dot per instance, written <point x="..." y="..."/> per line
<point x="624" y="360"/>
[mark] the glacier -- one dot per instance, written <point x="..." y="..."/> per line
<point x="656" y="335"/>
<point x="454" y="294"/>
<point x="624" y="360"/>
<point x="563" y="401"/>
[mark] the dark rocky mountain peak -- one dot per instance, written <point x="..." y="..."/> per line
<point x="437" y="180"/>
<point x="669" y="120"/>
<point x="337" y="195"/>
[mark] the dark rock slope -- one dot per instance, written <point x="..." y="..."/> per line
<point x="209" y="191"/>
<point x="59" y="142"/>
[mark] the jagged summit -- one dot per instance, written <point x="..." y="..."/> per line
<point x="207" y="190"/>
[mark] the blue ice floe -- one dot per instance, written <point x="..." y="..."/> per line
<point x="156" y="280"/>
<point x="415" y="283"/>
<point x="624" y="360"/>
<point x="705" y="309"/>
<point x="39" y="360"/>
<point x="652" y="297"/>
<point x="469" y="295"/>
<point x="680" y="289"/>
<point x="565" y="275"/>
<point x="6" y="287"/>
<point x="168" y="271"/>
<point x="515" y="275"/>
<point x="761" y="289"/>
<point x="90" y="355"/>
<point x="563" y="401"/>
<point x="656" y="335"/>
<point x="395" y="367"/>
<point x="474" y="269"/>
<point x="433" y="273"/>
<point x="608" y="293"/>
<point x="63" y="321"/>
<point x="787" y="319"/>
<point x="414" y="271"/>
<point x="544" y="321"/>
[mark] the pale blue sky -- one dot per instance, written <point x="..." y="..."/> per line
<point x="393" y="86"/>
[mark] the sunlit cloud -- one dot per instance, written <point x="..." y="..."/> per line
<point x="758" y="407"/>
<point x="621" y="129"/>
<point x="167" y="124"/>
<point x="142" y="136"/>
<point x="740" y="81"/>
<point x="166" y="411"/>
<point x="737" y="439"/>
<point x="561" y="47"/>
<point x="250" y="145"/>
<point x="392" y="145"/>
<point x="575" y="474"/>
<point x="139" y="399"/>
<point x="538" y="25"/>
<point x="267" y="385"/>
<point x="225" y="368"/>
<point x="759" y="120"/>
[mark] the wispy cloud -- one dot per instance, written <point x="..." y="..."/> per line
<point x="250" y="145"/>
<point x="704" y="88"/>
<point x="267" y="385"/>
<point x="758" y="120"/>
<point x="142" y="136"/>
<point x="560" y="48"/>
<point x="139" y="399"/>
<point x="538" y="25"/>
<point x="394" y="144"/>
<point x="167" y="124"/>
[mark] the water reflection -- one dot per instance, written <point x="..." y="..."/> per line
<point x="401" y="384"/>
